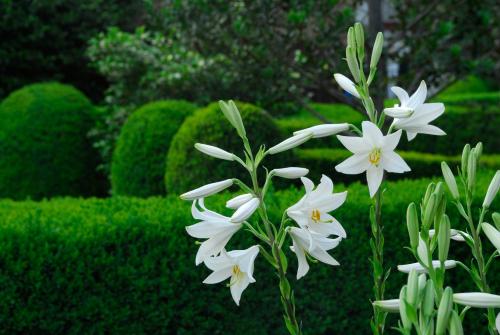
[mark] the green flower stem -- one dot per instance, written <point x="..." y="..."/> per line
<point x="278" y="258"/>
<point x="379" y="275"/>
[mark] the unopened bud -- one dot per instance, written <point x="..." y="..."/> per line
<point x="444" y="311"/>
<point x="444" y="238"/>
<point x="412" y="225"/>
<point x="377" y="50"/>
<point x="450" y="180"/>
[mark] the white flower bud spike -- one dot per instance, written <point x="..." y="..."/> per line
<point x="290" y="143"/>
<point x="477" y="299"/>
<point x="207" y="190"/>
<point x="391" y="305"/>
<point x="324" y="130"/>
<point x="492" y="233"/>
<point x="245" y="211"/>
<point x="346" y="84"/>
<point x="238" y="201"/>
<point x="492" y="190"/>
<point x="406" y="268"/>
<point x="212" y="151"/>
<point x="290" y="172"/>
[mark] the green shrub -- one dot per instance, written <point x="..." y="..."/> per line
<point x="44" y="150"/>
<point x="469" y="84"/>
<point x="323" y="161"/>
<point x="126" y="266"/>
<point x="138" y="166"/>
<point x="188" y="168"/>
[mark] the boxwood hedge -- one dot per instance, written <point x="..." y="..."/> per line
<point x="126" y="266"/>
<point x="44" y="148"/>
<point x="138" y="166"/>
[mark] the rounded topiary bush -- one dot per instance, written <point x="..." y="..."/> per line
<point x="44" y="149"/>
<point x="188" y="168"/>
<point x="138" y="166"/>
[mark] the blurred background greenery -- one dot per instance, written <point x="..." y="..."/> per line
<point x="105" y="98"/>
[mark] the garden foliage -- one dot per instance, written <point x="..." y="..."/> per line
<point x="125" y="265"/>
<point x="44" y="149"/>
<point x="138" y="166"/>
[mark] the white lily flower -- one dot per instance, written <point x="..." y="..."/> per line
<point x="455" y="235"/>
<point x="206" y="190"/>
<point x="493" y="234"/>
<point x="212" y="151"/>
<point x="239" y="200"/>
<point x="324" y="130"/>
<point x="311" y="212"/>
<point x="421" y="113"/>
<point x="291" y="143"/>
<point x="373" y="153"/>
<point x="492" y="190"/>
<point x="406" y="268"/>
<point x="346" y="84"/>
<point x="477" y="299"/>
<point x="245" y="211"/>
<point x="290" y="172"/>
<point x="316" y="245"/>
<point x="216" y="228"/>
<point x="390" y="305"/>
<point x="237" y="265"/>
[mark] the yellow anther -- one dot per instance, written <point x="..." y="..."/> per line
<point x="374" y="156"/>
<point x="236" y="270"/>
<point x="316" y="215"/>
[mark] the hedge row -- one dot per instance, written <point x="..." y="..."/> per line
<point x="126" y="266"/>
<point x="322" y="160"/>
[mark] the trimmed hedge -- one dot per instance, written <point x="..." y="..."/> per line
<point x="323" y="160"/>
<point x="126" y="266"/>
<point x="44" y="149"/>
<point x="138" y="166"/>
<point x="187" y="168"/>
<point x="469" y="84"/>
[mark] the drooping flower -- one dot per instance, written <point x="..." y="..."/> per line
<point x="414" y="115"/>
<point x="217" y="229"/>
<point x="206" y="190"/>
<point x="346" y="84"/>
<point x="237" y="265"/>
<point x="215" y="152"/>
<point x="373" y="153"/>
<point x="312" y="211"/>
<point x="314" y="244"/>
<point x="324" y="130"/>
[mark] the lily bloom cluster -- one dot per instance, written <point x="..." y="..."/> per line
<point x="316" y="232"/>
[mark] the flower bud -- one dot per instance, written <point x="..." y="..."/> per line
<point x="412" y="225"/>
<point x="391" y="305"/>
<point x="324" y="130"/>
<point x="492" y="233"/>
<point x="406" y="268"/>
<point x="412" y="288"/>
<point x="428" y="192"/>
<point x="455" y="327"/>
<point x="449" y="178"/>
<point x="465" y="158"/>
<point x="422" y="251"/>
<point x="402" y="309"/>
<point x="290" y="172"/>
<point x="455" y="235"/>
<point x="245" y="211"/>
<point x="360" y="35"/>
<point x="477" y="299"/>
<point x="210" y="150"/>
<point x="478" y="149"/>
<point x="233" y="115"/>
<point x="377" y="50"/>
<point x="236" y="202"/>
<point x="351" y="40"/>
<point x="422" y="280"/>
<point x="352" y="62"/>
<point x="428" y="301"/>
<point x="207" y="190"/>
<point x="492" y="190"/>
<point x="430" y="209"/>
<point x="444" y="311"/>
<point x="399" y="112"/>
<point x="346" y="84"/>
<point x="290" y="143"/>
<point x="444" y="238"/>
<point x="496" y="219"/>
<point x="471" y="171"/>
